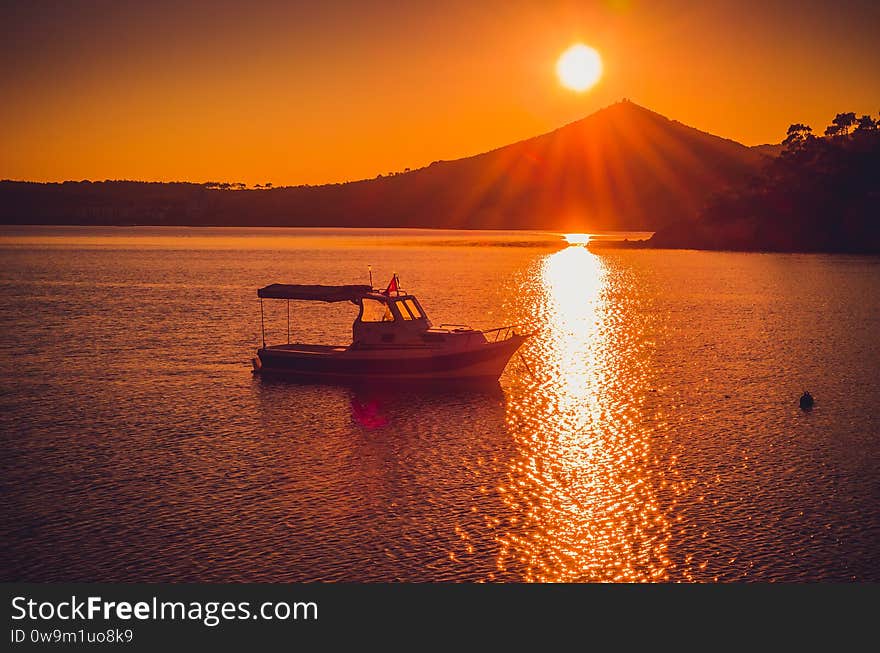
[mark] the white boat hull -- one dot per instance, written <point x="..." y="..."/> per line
<point x="484" y="362"/>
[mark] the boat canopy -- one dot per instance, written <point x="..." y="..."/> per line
<point x="351" y="293"/>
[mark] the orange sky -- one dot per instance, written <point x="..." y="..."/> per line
<point x="322" y="92"/>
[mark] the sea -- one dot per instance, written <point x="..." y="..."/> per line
<point x="649" y="430"/>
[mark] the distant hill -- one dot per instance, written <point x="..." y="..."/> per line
<point x="820" y="194"/>
<point x="624" y="167"/>
<point x="769" y="149"/>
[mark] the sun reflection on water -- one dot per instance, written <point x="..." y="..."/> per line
<point x="584" y="499"/>
<point x="577" y="239"/>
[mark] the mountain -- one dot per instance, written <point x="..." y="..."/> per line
<point x="623" y="167"/>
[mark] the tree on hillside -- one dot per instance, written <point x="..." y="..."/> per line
<point x="797" y="135"/>
<point x="866" y="123"/>
<point x="843" y="122"/>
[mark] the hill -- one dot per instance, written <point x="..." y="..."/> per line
<point x="623" y="167"/>
<point x="820" y="194"/>
<point x="771" y="150"/>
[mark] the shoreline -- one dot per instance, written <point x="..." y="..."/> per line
<point x="603" y="245"/>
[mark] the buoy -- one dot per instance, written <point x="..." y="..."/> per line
<point x="807" y="401"/>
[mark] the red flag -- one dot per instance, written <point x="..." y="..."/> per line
<point x="392" y="287"/>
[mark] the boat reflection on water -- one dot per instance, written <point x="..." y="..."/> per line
<point x="581" y="491"/>
<point x="373" y="406"/>
<point x="368" y="413"/>
<point x="386" y="483"/>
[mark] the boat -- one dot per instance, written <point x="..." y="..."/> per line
<point x="392" y="341"/>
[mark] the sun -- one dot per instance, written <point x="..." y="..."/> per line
<point x="579" y="67"/>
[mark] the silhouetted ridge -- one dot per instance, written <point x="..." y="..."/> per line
<point x="623" y="167"/>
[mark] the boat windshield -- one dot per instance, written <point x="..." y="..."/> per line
<point x="409" y="310"/>
<point x="375" y="311"/>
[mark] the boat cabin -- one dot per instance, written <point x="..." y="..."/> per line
<point x="389" y="320"/>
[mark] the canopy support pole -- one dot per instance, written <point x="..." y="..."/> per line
<point x="262" y="323"/>
<point x="288" y="321"/>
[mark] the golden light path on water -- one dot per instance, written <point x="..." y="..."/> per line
<point x="582" y="487"/>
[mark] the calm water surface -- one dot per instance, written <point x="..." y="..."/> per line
<point x="654" y="435"/>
